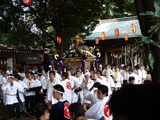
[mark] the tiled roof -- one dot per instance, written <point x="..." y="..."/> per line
<point x="109" y="26"/>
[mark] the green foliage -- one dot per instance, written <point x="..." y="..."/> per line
<point x="154" y="28"/>
<point x="151" y="60"/>
<point x="119" y="8"/>
<point x="38" y="25"/>
<point x="155" y="14"/>
<point x="147" y="41"/>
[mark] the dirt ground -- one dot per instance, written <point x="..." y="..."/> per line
<point x="4" y="114"/>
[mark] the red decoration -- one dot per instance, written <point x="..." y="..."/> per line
<point x="68" y="85"/>
<point x="59" y="40"/>
<point x="42" y="57"/>
<point x="107" y="112"/>
<point x="104" y="36"/>
<point x="117" y="32"/>
<point x="66" y="110"/>
<point x="97" y="41"/>
<point x="126" y="37"/>
<point x="26" y="2"/>
<point x="133" y="28"/>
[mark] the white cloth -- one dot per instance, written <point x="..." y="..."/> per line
<point x="135" y="76"/>
<point x="103" y="80"/>
<point x="78" y="81"/>
<point x="97" y="110"/>
<point x="144" y="74"/>
<point x="57" y="76"/>
<point x="86" y="87"/>
<point x="1" y="79"/>
<point x="30" y="84"/>
<point x="110" y="72"/>
<point x="25" y="80"/>
<point x="38" y="83"/>
<point x="21" y="94"/>
<point x="118" y="79"/>
<point x="125" y="75"/>
<point x="4" y="80"/>
<point x="68" y="92"/>
<point x="110" y="84"/>
<point x="72" y="79"/>
<point x="44" y="83"/>
<point x="92" y="96"/>
<point x="11" y="92"/>
<point x="9" y="71"/>
<point x="50" y="90"/>
<point x="139" y="74"/>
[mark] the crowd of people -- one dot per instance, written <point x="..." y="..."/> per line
<point x="71" y="95"/>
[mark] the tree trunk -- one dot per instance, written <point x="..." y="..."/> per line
<point x="145" y="24"/>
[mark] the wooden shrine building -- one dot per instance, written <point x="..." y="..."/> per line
<point x="118" y="46"/>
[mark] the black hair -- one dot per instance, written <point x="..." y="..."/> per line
<point x="147" y="82"/>
<point x="59" y="88"/>
<point x="104" y="89"/>
<point x="96" y="84"/>
<point x="131" y="78"/>
<point x="136" y="102"/>
<point x="125" y="66"/>
<point x="77" y="109"/>
<point x="68" y="69"/>
<point x="100" y="72"/>
<point x="17" y="76"/>
<point x="31" y="73"/>
<point x="107" y="65"/>
<point x="64" y="74"/>
<point x="11" y="76"/>
<point x="52" y="72"/>
<point x="130" y="70"/>
<point x="137" y="66"/>
<point x="40" y="110"/>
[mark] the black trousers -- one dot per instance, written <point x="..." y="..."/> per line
<point x="14" y="110"/>
<point x="30" y="103"/>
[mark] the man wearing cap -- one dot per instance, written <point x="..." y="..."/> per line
<point x="23" y="77"/>
<point x="60" y="110"/>
<point x="11" y="88"/>
<point x="86" y="85"/>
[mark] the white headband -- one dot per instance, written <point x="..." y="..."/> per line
<point x="58" y="91"/>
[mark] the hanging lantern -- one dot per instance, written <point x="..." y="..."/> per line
<point x="103" y="36"/>
<point x="133" y="28"/>
<point x="26" y="2"/>
<point x="126" y="37"/>
<point x="117" y="32"/>
<point x="97" y="41"/>
<point x="59" y="40"/>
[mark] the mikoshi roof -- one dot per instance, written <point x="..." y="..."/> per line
<point x="109" y="26"/>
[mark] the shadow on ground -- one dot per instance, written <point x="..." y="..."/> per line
<point x="4" y="115"/>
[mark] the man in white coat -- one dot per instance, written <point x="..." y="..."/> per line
<point x="52" y="82"/>
<point x="86" y="85"/>
<point x="132" y="74"/>
<point x="11" y="89"/>
<point x="100" y="109"/>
